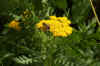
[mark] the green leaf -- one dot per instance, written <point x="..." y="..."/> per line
<point x="80" y="10"/>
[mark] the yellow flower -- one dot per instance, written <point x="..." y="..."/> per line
<point x="53" y="17"/>
<point x="64" y="20"/>
<point x="15" y="25"/>
<point x="60" y="34"/>
<point x="58" y="26"/>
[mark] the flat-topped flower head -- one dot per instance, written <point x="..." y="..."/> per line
<point x="15" y="25"/>
<point x="58" y="26"/>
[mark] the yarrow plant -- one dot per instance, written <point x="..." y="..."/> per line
<point x="58" y="26"/>
<point x="40" y="39"/>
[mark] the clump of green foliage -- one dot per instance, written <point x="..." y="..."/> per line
<point x="31" y="46"/>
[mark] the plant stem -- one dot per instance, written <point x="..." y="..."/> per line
<point x="93" y="9"/>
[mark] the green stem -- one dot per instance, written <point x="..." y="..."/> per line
<point x="95" y="12"/>
<point x="48" y="62"/>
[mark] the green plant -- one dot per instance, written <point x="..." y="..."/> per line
<point x="31" y="46"/>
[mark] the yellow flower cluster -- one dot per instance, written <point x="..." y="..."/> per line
<point x="15" y="25"/>
<point x="59" y="26"/>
